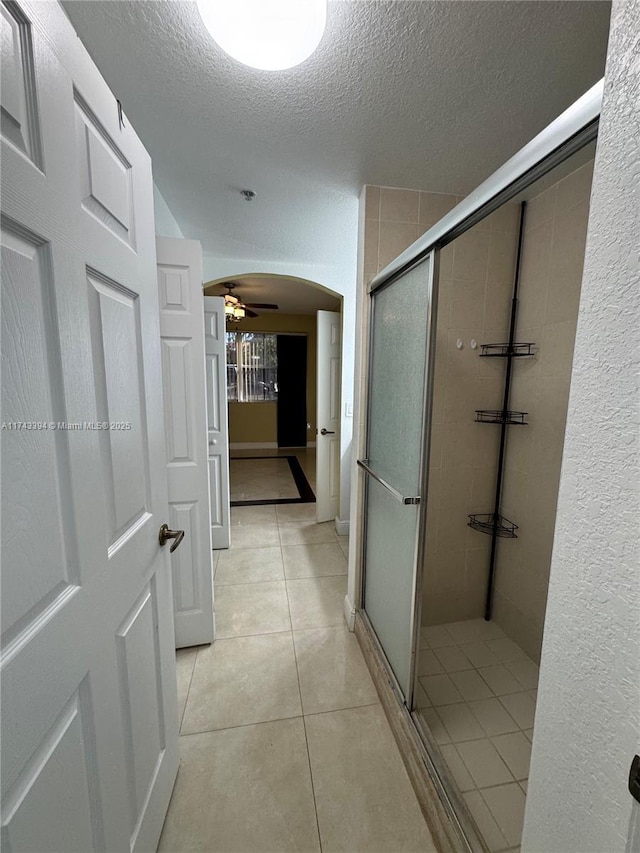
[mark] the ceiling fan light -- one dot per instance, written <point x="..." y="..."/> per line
<point x="271" y="35"/>
<point x="239" y="312"/>
<point x="228" y="308"/>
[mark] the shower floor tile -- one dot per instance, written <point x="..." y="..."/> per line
<point x="483" y="688"/>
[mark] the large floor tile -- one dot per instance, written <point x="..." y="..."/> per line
<point x="243" y="680"/>
<point x="308" y="561"/>
<point x="252" y="608"/>
<point x="317" y="602"/>
<point x="255" y="536"/>
<point x="261" y="479"/>
<point x="249" y="565"/>
<point x="243" y="790"/>
<point x="332" y="671"/>
<point x="364" y="798"/>
<point x="253" y="515"/>
<point x="185" y="660"/>
<point x="343" y="542"/>
<point x="296" y="512"/>
<point x="306" y="532"/>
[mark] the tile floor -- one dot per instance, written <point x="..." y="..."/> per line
<point x="306" y="456"/>
<point x="284" y="745"/>
<point x="254" y="479"/>
<point x="478" y="696"/>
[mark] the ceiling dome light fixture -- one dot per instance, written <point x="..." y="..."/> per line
<point x="271" y="35"/>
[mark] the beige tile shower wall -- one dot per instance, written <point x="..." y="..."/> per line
<point x="476" y="282"/>
<point x="476" y="279"/>
<point x="552" y="261"/>
<point x="394" y="219"/>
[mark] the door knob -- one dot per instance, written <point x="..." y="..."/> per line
<point x="165" y="534"/>
<point x="324" y="431"/>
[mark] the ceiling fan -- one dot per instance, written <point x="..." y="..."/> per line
<point x="236" y="310"/>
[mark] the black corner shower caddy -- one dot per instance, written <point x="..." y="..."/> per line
<point x="494" y="523"/>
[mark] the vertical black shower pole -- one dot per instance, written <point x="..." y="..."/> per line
<point x="505" y="415"/>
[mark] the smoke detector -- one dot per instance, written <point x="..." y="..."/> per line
<point x="248" y="195"/>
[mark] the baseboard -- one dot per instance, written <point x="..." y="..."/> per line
<point x="439" y="816"/>
<point x="349" y="613"/>
<point x="253" y="445"/>
<point x="264" y="445"/>
<point x="342" y="527"/>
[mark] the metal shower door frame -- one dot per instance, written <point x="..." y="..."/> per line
<point x="571" y="131"/>
<point x="433" y="261"/>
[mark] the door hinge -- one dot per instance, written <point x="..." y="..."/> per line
<point x="634" y="778"/>
<point x="121" y="123"/>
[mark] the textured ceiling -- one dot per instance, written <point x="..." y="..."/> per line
<point x="292" y="296"/>
<point x="431" y="95"/>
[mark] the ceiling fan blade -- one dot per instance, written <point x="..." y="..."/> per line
<point x="250" y="313"/>
<point x="264" y="305"/>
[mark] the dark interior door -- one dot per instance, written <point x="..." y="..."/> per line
<point x="292" y="391"/>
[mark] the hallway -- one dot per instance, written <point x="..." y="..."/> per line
<point x="284" y="745"/>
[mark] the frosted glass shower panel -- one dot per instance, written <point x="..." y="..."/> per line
<point x="396" y="388"/>
<point x="390" y="557"/>
<point x="399" y="337"/>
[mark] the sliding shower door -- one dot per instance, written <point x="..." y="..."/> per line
<point x="398" y="395"/>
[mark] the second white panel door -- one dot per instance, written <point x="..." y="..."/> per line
<point x="184" y="385"/>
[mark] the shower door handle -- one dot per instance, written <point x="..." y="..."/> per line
<point x="407" y="501"/>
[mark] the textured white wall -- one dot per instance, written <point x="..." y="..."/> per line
<point x="587" y="722"/>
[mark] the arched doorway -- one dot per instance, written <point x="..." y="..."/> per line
<point x="284" y="388"/>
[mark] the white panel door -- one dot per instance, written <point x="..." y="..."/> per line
<point x="89" y="711"/>
<point x="185" y="418"/>
<point x="328" y="416"/>
<point x="218" y="419"/>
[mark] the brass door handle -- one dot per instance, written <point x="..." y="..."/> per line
<point x="166" y="534"/>
<point x="324" y="431"/>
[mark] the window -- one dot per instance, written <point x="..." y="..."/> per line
<point x="252" y="367"/>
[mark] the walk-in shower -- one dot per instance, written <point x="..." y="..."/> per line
<point x="470" y="351"/>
